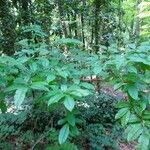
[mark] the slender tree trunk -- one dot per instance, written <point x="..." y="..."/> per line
<point x="82" y="22"/>
<point x="97" y="4"/>
<point x="46" y="24"/>
<point x="62" y="16"/>
<point x="8" y="28"/>
<point x="69" y="25"/>
<point x="24" y="10"/>
<point x="92" y="34"/>
<point x="137" y="20"/>
<point x="75" y="26"/>
<point x="119" y="25"/>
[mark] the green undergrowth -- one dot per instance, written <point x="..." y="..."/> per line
<point x="38" y="128"/>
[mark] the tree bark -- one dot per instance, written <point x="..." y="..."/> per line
<point x="75" y="26"/>
<point x="137" y="20"/>
<point x="82" y="22"/>
<point x="8" y="28"/>
<point x="97" y="4"/>
<point x="69" y="25"/>
<point x="62" y="16"/>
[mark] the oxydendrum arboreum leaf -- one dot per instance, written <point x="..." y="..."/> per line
<point x="3" y="106"/>
<point x="121" y="113"/>
<point x="120" y="61"/>
<point x="87" y="85"/>
<point x="132" y="69"/>
<point x="20" y="96"/>
<point x="118" y="86"/>
<point x="44" y="62"/>
<point x="69" y="41"/>
<point x="125" y="118"/>
<point x="50" y="78"/>
<point x="64" y="88"/>
<point x="97" y="69"/>
<point x="134" y="131"/>
<point x="75" y="93"/>
<point x="134" y="119"/>
<point x="55" y="98"/>
<point x="69" y="103"/>
<point x="144" y="142"/>
<point x="123" y="104"/>
<point x="133" y="91"/>
<point x="71" y="119"/>
<point x="62" y="73"/>
<point x="40" y="86"/>
<point x="62" y="121"/>
<point x="63" y="134"/>
<point x="83" y="92"/>
<point x="33" y="67"/>
<point x="74" y="131"/>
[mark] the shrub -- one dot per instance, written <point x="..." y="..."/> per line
<point x="99" y="109"/>
<point x="99" y="138"/>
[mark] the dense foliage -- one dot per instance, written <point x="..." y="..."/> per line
<point x="56" y="58"/>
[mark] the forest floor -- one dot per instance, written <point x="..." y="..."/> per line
<point x="120" y="96"/>
<point x="127" y="146"/>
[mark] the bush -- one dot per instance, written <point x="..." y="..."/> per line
<point x="99" y="138"/>
<point x="99" y="109"/>
<point x="23" y="129"/>
<point x="100" y="131"/>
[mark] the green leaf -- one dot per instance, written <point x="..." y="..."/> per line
<point x="120" y="61"/>
<point x="134" y="132"/>
<point x="20" y="96"/>
<point x="44" y="62"/>
<point x="62" y="121"/>
<point x="133" y="92"/>
<point x="33" y="67"/>
<point x="122" y="105"/>
<point x="69" y="103"/>
<point x="87" y="86"/>
<point x="121" y="113"/>
<point x="64" y="88"/>
<point x="50" y="78"/>
<point x="3" y="106"/>
<point x="40" y="86"/>
<point x="69" y="41"/>
<point x="55" y="99"/>
<point x="62" y="73"/>
<point x="132" y="69"/>
<point x="144" y="142"/>
<point x="148" y="98"/>
<point x="118" y="86"/>
<point x="83" y="92"/>
<point x="134" y="119"/>
<point x="133" y="46"/>
<point x="146" y="115"/>
<point x="97" y="69"/>
<point x="125" y="118"/>
<point x="74" y="131"/>
<point x="75" y="93"/>
<point x="63" y="134"/>
<point x="71" y="119"/>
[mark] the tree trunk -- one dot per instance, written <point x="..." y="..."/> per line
<point x="75" y="26"/>
<point x="69" y="25"/>
<point x="25" y="12"/>
<point x="82" y="22"/>
<point x="62" y="16"/>
<point x="119" y="25"/>
<point x="97" y="4"/>
<point x="8" y="28"/>
<point x="137" y="20"/>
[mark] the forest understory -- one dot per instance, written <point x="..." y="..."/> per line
<point x="74" y="74"/>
